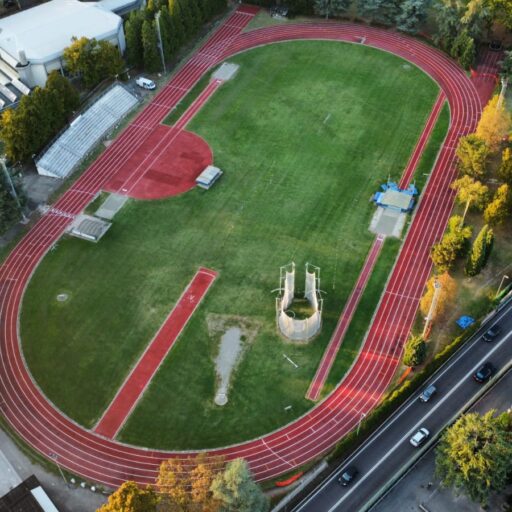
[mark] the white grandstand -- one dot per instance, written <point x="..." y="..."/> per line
<point x="72" y="146"/>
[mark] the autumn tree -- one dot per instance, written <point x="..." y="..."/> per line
<point x="185" y="485"/>
<point x="453" y="245"/>
<point x="494" y="124"/>
<point x="93" y="60"/>
<point x="131" y="498"/>
<point x="415" y="351"/>
<point x="480" y="251"/>
<point x="505" y="168"/>
<point x="235" y="489"/>
<point x="474" y="456"/>
<point x="472" y="153"/>
<point x="470" y="193"/>
<point x="446" y="296"/>
<point x="500" y="207"/>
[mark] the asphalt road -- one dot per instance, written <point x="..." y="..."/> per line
<point x="420" y="486"/>
<point x="388" y="450"/>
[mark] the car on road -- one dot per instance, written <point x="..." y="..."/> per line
<point x="428" y="393"/>
<point x="145" y="83"/>
<point x="484" y="373"/>
<point x="348" y="475"/>
<point x="420" y="437"/>
<point x="492" y="333"/>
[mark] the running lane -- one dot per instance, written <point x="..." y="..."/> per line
<point x="139" y="378"/>
<point x="105" y="461"/>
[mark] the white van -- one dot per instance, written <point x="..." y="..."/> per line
<point x="145" y="83"/>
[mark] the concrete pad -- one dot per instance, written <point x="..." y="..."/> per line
<point x="226" y="72"/>
<point x="111" y="206"/>
<point x="388" y="222"/>
<point x="9" y="478"/>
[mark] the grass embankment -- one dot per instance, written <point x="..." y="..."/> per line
<point x="305" y="133"/>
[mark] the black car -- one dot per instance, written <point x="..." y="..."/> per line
<point x="348" y="475"/>
<point x="495" y="45"/>
<point x="484" y="373"/>
<point x="492" y="333"/>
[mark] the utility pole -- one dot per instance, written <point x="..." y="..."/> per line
<point x="433" y="307"/>
<point x="499" y="287"/>
<point x="504" y="85"/>
<point x="160" y="46"/>
<point x="13" y="190"/>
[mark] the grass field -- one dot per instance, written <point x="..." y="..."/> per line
<point x="305" y="134"/>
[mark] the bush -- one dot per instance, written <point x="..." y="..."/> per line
<point x="415" y="351"/>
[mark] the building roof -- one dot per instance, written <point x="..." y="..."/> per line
<point x="28" y="496"/>
<point x="396" y="199"/>
<point x="45" y="30"/>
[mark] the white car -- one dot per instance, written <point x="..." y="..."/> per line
<point x="145" y="83"/>
<point x="420" y="437"/>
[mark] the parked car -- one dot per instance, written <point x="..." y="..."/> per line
<point x="484" y="373"/>
<point x="145" y="83"/>
<point x="428" y="393"/>
<point x="348" y="475"/>
<point x="420" y="437"/>
<point x="495" y="45"/>
<point x="492" y="333"/>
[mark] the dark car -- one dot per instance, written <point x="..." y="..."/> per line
<point x="492" y="333"/>
<point x="348" y="475"/>
<point x="484" y="373"/>
<point x="428" y="393"/>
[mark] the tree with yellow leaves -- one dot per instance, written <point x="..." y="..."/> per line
<point x="495" y="123"/>
<point x="131" y="498"/>
<point x="446" y="296"/>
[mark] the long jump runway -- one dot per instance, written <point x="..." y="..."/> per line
<point x="102" y="460"/>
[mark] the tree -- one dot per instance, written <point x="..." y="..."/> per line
<point x="480" y="251"/>
<point x="167" y="32"/>
<point x="448" y="25"/>
<point x="505" y="169"/>
<point x="412" y="14"/>
<point x="494" y="124"/>
<point x="470" y="192"/>
<point x="415" y="351"/>
<point x="475" y="456"/>
<point x="502" y="12"/>
<point x="445" y="298"/>
<point x="133" y="34"/>
<point x="185" y="486"/>
<point x="9" y="210"/>
<point x="150" y="46"/>
<point x="506" y="63"/>
<point x="131" y="498"/>
<point x="236" y="490"/>
<point x="94" y="61"/>
<point x="452" y="246"/>
<point x="499" y="208"/>
<point x="472" y="153"/>
<point x="331" y="8"/>
<point x="463" y="49"/>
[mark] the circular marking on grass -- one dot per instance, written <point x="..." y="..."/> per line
<point x="221" y="399"/>
<point x="62" y="297"/>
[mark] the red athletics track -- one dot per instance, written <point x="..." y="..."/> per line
<point x="336" y="340"/>
<point x="139" y="378"/>
<point x="169" y="160"/>
<point x="101" y="460"/>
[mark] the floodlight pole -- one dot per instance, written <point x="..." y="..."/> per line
<point x="433" y="307"/>
<point x="361" y="418"/>
<point x="13" y="190"/>
<point x="504" y="85"/>
<point x="55" y="458"/>
<point x="501" y="284"/>
<point x="160" y="46"/>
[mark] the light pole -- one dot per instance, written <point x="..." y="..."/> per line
<point x="432" y="309"/>
<point x="55" y="458"/>
<point x="362" y="417"/>
<point x="501" y="284"/>
<point x="13" y="190"/>
<point x="160" y="46"/>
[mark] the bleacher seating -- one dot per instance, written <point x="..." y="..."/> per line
<point x="67" y="151"/>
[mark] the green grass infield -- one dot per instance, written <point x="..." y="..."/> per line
<point x="305" y="134"/>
